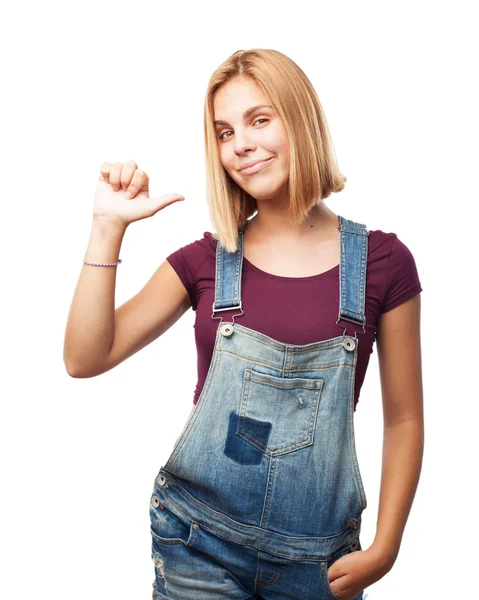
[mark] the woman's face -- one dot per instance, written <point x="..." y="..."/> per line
<point x="257" y="136"/>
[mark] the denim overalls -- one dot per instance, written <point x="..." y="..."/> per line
<point x="262" y="491"/>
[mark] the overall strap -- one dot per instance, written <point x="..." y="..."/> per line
<point x="229" y="266"/>
<point x="352" y="273"/>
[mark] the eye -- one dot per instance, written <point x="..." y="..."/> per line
<point x="257" y="120"/>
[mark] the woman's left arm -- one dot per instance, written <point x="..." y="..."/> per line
<point x="399" y="356"/>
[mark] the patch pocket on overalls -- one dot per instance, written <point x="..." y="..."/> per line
<point x="277" y="414"/>
<point x="166" y="528"/>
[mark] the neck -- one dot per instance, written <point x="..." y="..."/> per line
<point x="271" y="223"/>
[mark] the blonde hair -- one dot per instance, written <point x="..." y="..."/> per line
<point x="313" y="171"/>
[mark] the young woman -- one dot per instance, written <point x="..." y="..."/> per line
<point x="262" y="495"/>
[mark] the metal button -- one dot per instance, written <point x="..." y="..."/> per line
<point x="155" y="501"/>
<point x="349" y="344"/>
<point x="354" y="546"/>
<point x="162" y="480"/>
<point x="196" y="526"/>
<point x="354" y="522"/>
<point x="227" y="329"/>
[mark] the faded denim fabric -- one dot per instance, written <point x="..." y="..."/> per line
<point x="262" y="491"/>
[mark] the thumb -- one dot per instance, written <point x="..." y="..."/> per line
<point x="161" y="202"/>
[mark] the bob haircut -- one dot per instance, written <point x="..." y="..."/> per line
<point x="313" y="171"/>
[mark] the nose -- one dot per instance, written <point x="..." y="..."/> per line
<point x="242" y="142"/>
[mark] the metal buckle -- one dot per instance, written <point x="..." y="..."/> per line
<point x="228" y="308"/>
<point x="351" y="321"/>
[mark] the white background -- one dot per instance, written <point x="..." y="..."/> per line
<point x="111" y="81"/>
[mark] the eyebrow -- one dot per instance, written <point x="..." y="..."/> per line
<point x="247" y="113"/>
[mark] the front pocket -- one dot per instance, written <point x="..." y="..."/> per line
<point x="325" y="565"/>
<point x="324" y="570"/>
<point x="278" y="415"/>
<point x="327" y="585"/>
<point x="167" y="528"/>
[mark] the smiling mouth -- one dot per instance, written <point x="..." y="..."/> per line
<point x="257" y="167"/>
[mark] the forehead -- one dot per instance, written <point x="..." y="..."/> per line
<point x="236" y="96"/>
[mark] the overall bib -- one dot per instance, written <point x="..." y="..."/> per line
<point x="262" y="491"/>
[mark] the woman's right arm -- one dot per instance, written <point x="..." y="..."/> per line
<point x="97" y="336"/>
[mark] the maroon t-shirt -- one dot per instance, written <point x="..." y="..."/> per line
<point x="296" y="310"/>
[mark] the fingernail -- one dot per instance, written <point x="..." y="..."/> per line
<point x="128" y="195"/>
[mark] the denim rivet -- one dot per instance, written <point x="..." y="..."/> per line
<point x="162" y="480"/>
<point x="349" y="344"/>
<point x="195" y="526"/>
<point x="155" y="501"/>
<point x="354" y="545"/>
<point x="227" y="329"/>
<point x="354" y="522"/>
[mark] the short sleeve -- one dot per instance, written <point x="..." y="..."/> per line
<point x="186" y="261"/>
<point x="402" y="278"/>
<point x="179" y="264"/>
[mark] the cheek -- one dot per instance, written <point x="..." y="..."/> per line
<point x="283" y="153"/>
<point x="276" y="144"/>
<point x="225" y="157"/>
<point x="280" y="141"/>
<point x="282" y="145"/>
<point x="228" y="164"/>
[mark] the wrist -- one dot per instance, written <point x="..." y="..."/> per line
<point x="385" y="554"/>
<point x="107" y="225"/>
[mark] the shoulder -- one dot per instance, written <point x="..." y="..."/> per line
<point x="194" y="253"/>
<point x="389" y="247"/>
<point x="380" y="243"/>
<point x="204" y="243"/>
<point x="393" y="262"/>
<point x="187" y="261"/>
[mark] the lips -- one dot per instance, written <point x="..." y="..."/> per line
<point x="255" y="167"/>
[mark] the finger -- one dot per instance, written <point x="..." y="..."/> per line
<point x="115" y="174"/>
<point x="105" y="171"/>
<point x="139" y="181"/>
<point x="163" y="201"/>
<point x="127" y="171"/>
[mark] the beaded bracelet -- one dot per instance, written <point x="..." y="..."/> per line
<point x="102" y="264"/>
